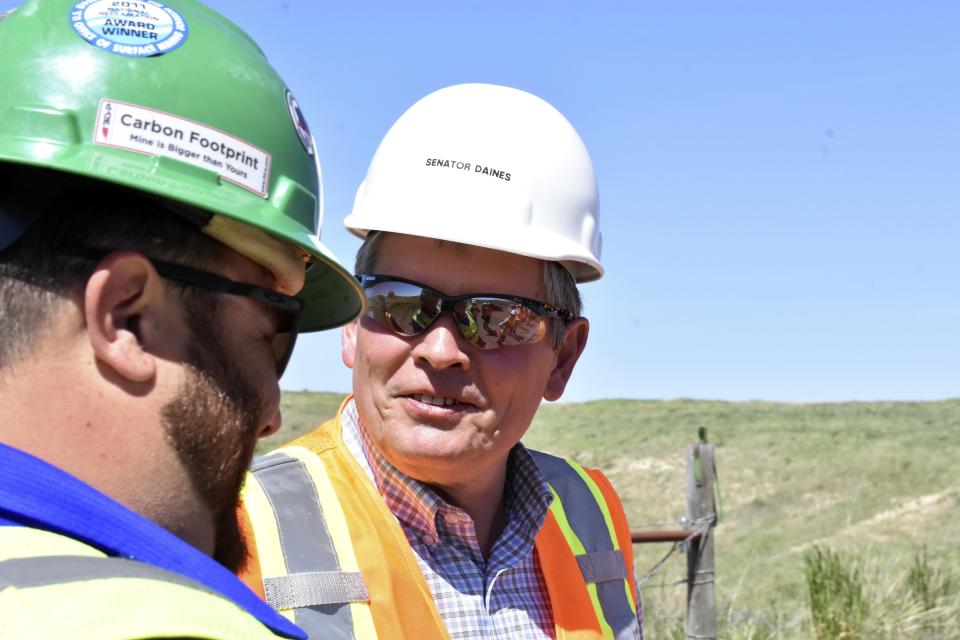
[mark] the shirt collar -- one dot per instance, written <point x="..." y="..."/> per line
<point x="36" y="494"/>
<point x="413" y="503"/>
<point x="528" y="494"/>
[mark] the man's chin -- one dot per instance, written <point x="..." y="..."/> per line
<point x="445" y="466"/>
<point x="442" y="448"/>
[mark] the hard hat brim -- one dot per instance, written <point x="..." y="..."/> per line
<point x="331" y="293"/>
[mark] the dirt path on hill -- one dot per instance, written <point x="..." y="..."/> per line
<point x="909" y="509"/>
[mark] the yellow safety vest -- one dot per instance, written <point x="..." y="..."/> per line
<point x="52" y="586"/>
<point x="329" y="555"/>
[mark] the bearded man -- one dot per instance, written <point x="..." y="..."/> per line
<point x="148" y="306"/>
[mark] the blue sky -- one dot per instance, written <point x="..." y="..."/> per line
<point x="780" y="183"/>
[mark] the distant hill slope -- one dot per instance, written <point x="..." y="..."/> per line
<point x="878" y="478"/>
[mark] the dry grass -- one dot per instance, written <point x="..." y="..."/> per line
<point x="876" y="479"/>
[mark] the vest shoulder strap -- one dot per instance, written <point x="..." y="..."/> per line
<point x="303" y="574"/>
<point x="313" y="574"/>
<point x="330" y="554"/>
<point x="589" y="516"/>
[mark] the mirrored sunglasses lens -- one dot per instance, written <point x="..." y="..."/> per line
<point x="503" y="323"/>
<point x="400" y="307"/>
<point x="466" y="313"/>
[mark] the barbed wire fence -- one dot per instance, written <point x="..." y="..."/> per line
<point x="695" y="539"/>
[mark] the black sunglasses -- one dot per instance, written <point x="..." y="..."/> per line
<point x="289" y="307"/>
<point x="485" y="320"/>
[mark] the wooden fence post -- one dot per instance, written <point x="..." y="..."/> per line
<point x="701" y="510"/>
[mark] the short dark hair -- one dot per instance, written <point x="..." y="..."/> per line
<point x="560" y="287"/>
<point x="36" y="277"/>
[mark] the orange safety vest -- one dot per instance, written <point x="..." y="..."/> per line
<point x="329" y="555"/>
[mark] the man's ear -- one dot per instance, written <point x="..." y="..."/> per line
<point x="574" y="340"/>
<point x="123" y="299"/>
<point x="348" y="342"/>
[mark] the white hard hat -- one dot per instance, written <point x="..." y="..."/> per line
<point x="488" y="166"/>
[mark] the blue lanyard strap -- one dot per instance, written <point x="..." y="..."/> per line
<point x="36" y="494"/>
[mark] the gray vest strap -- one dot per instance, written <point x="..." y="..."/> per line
<point x="320" y="605"/>
<point x="315" y="588"/>
<point x="49" y="570"/>
<point x="602" y="566"/>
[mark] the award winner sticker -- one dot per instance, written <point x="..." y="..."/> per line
<point x="155" y="133"/>
<point x="131" y="29"/>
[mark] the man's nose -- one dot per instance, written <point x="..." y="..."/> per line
<point x="442" y="346"/>
<point x="271" y="426"/>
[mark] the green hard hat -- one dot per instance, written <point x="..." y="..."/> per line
<point x="173" y="99"/>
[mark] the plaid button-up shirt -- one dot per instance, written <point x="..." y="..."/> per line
<point x="504" y="596"/>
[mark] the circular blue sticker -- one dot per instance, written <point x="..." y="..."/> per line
<point x="127" y="28"/>
<point x="300" y="124"/>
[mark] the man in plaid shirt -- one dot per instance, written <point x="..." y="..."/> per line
<point x="479" y="218"/>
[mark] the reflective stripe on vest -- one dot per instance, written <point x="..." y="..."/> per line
<point x="584" y="518"/>
<point x="365" y="535"/>
<point x="310" y="568"/>
<point x="94" y="597"/>
<point x="42" y="571"/>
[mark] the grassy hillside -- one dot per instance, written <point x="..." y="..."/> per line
<point x="875" y="481"/>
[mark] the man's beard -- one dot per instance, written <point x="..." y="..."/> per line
<point x="212" y="424"/>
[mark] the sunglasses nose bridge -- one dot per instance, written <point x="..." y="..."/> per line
<point x="442" y="344"/>
<point x="434" y="313"/>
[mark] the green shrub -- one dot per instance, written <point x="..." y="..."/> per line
<point x="928" y="584"/>
<point x="838" y="608"/>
